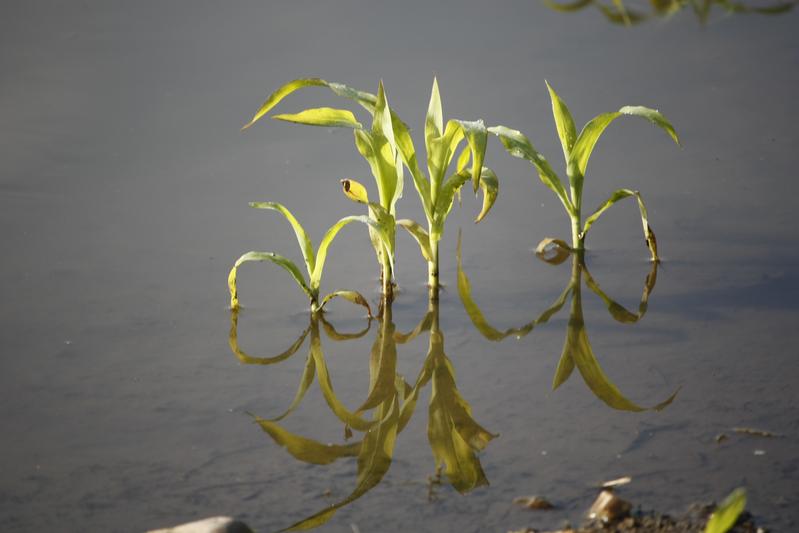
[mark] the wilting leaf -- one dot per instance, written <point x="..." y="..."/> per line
<point x="591" y="132"/>
<point x="287" y="264"/>
<point x="322" y="116"/>
<point x="477" y="136"/>
<point x="305" y="382"/>
<point x="568" y="6"/>
<point x="281" y="93"/>
<point x="490" y="186"/>
<point x="351" y="296"/>
<point x="421" y="236"/>
<point x="727" y="513"/>
<point x="302" y="237"/>
<point x="563" y="122"/>
<point x="233" y="340"/>
<point x="518" y="145"/>
<point x="422" y="326"/>
<point x="355" y="191"/>
<point x="444" y="202"/>
<point x="649" y="235"/>
<point x="307" y="450"/>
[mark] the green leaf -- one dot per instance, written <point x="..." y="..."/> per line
<point x="302" y="237"/>
<point x="421" y="236"/>
<point x="289" y="266"/>
<point x="408" y="153"/>
<point x="563" y="122"/>
<point x="727" y="513"/>
<point x="351" y="296"/>
<point x="434" y="121"/>
<point x="518" y="145"/>
<point x="616" y="310"/>
<point x="305" y="382"/>
<point x="444" y="202"/>
<point x="385" y="149"/>
<point x="649" y="235"/>
<point x="490" y="186"/>
<point x="233" y="341"/>
<point x="568" y="7"/>
<point x="591" y="132"/>
<point x="324" y="245"/>
<point x="323" y="116"/>
<point x="477" y="136"/>
<point x="307" y="450"/>
<point x="281" y="93"/>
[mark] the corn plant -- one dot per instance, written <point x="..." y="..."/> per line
<point x="388" y="147"/>
<point x="577" y="150"/>
<point x="617" y="12"/>
<point x="314" y="260"/>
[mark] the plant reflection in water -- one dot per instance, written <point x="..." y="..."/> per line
<point x="577" y="350"/>
<point x="455" y="437"/>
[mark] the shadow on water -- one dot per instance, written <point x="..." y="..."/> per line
<point x="621" y="13"/>
<point x="455" y="437"/>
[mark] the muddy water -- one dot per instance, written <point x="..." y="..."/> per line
<point x="123" y="191"/>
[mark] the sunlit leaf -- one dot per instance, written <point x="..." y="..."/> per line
<point x="649" y="235"/>
<point x="287" y="264"/>
<point x="477" y="136"/>
<point x="307" y="450"/>
<point x="490" y="186"/>
<point x="233" y="341"/>
<point x="518" y="145"/>
<point x="351" y="296"/>
<point x="420" y="235"/>
<point x="591" y="132"/>
<point x="302" y="237"/>
<point x="563" y="122"/>
<point x="434" y="121"/>
<point x="727" y="513"/>
<point x="568" y="6"/>
<point x="322" y="116"/>
<point x="281" y="93"/>
<point x="444" y="202"/>
<point x="324" y="245"/>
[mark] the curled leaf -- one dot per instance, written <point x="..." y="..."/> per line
<point x="553" y="251"/>
<point x="420" y="235"/>
<point x="355" y="191"/>
<point x="351" y="296"/>
<point x="649" y="235"/>
<point x="490" y="186"/>
<point x="287" y="264"/>
<point x="233" y="341"/>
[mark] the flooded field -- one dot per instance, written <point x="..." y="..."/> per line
<point x="132" y="397"/>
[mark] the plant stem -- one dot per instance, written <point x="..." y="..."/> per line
<point x="432" y="270"/>
<point x="387" y="278"/>
<point x="578" y="240"/>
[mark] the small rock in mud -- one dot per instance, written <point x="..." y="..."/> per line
<point x="216" y="524"/>
<point x="608" y="507"/>
<point x="534" y="502"/>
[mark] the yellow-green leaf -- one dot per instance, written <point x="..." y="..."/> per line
<point x="322" y="116"/>
<point x="434" y="121"/>
<point x="518" y="145"/>
<point x="287" y="264"/>
<point x="727" y="513"/>
<point x="281" y="93"/>
<point x="307" y="450"/>
<point x="351" y="296"/>
<point x="490" y="186"/>
<point x="233" y="341"/>
<point x="421" y="236"/>
<point x="649" y="235"/>
<point x="302" y="237"/>
<point x="324" y="245"/>
<point x="563" y="121"/>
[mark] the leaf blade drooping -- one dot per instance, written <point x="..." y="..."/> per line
<point x="302" y="237"/>
<point x="620" y="194"/>
<point x="322" y="116"/>
<point x="279" y="260"/>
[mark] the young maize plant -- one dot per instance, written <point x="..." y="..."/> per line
<point x="314" y="261"/>
<point x="387" y="147"/>
<point x="576" y="151"/>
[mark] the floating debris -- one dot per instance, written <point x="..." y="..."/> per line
<point x="721" y="437"/>
<point x="534" y="502"/>
<point x="616" y="482"/>
<point x="757" y="432"/>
